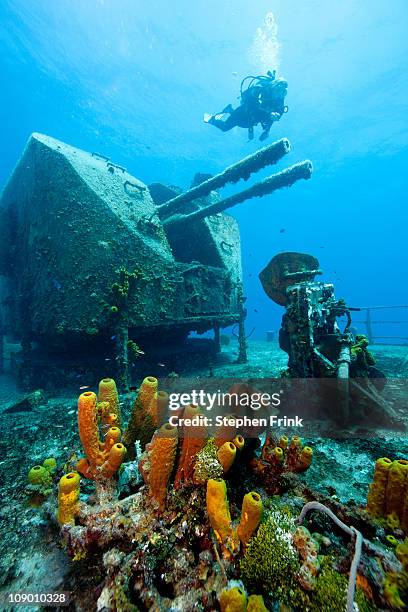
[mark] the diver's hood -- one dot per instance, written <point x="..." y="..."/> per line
<point x="280" y="83"/>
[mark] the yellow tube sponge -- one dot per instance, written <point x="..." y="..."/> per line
<point x="283" y="444"/>
<point x="162" y="454"/>
<point x="226" y="455"/>
<point x="233" y="600"/>
<point x="88" y="428"/>
<point x="68" y="498"/>
<point x="218" y="509"/>
<point x="305" y="459"/>
<point x="39" y="475"/>
<point x="115" y="458"/>
<point x="256" y="604"/>
<point x="277" y="456"/>
<point x="396" y="483"/>
<point x="376" y="492"/>
<point x="239" y="442"/>
<point x="108" y="393"/>
<point x="250" y="516"/>
<point x="50" y="464"/>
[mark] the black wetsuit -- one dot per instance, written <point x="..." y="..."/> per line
<point x="256" y="108"/>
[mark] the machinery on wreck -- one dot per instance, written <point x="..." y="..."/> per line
<point x="318" y="348"/>
<point x="97" y="264"/>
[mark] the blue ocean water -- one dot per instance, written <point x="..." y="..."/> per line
<point x="132" y="79"/>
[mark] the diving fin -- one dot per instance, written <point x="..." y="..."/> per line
<point x="207" y="117"/>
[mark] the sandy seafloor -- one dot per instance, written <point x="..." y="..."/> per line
<point x="32" y="559"/>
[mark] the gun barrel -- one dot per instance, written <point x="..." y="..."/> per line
<point x="285" y="178"/>
<point x="241" y="170"/>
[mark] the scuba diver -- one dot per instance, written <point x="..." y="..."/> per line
<point x="262" y="101"/>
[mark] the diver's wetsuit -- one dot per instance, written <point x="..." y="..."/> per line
<point x="257" y="107"/>
<point x="242" y="117"/>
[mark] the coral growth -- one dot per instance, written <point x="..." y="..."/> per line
<point x="362" y="358"/>
<point x="179" y="541"/>
<point x="308" y="549"/>
<point x="206" y="465"/>
<point x="270" y="562"/>
<point x="352" y="532"/>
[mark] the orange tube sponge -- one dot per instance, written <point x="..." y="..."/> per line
<point x="112" y="464"/>
<point x="396" y="483"/>
<point x="88" y="428"/>
<point x="108" y="393"/>
<point x="68" y="498"/>
<point x="226" y="455"/>
<point x="140" y="412"/>
<point x="194" y="439"/>
<point x="218" y="509"/>
<point x="376" y="492"/>
<point x="112" y="437"/>
<point x="250" y="516"/>
<point x="161" y="456"/>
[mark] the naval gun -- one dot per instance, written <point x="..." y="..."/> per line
<point x="98" y="264"/>
<point x="318" y="348"/>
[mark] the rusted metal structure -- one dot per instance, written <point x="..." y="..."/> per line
<point x="98" y="264"/>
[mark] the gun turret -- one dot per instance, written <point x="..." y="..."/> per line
<point x="243" y="169"/>
<point x="285" y="178"/>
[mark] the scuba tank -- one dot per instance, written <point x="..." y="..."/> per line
<point x="266" y="89"/>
